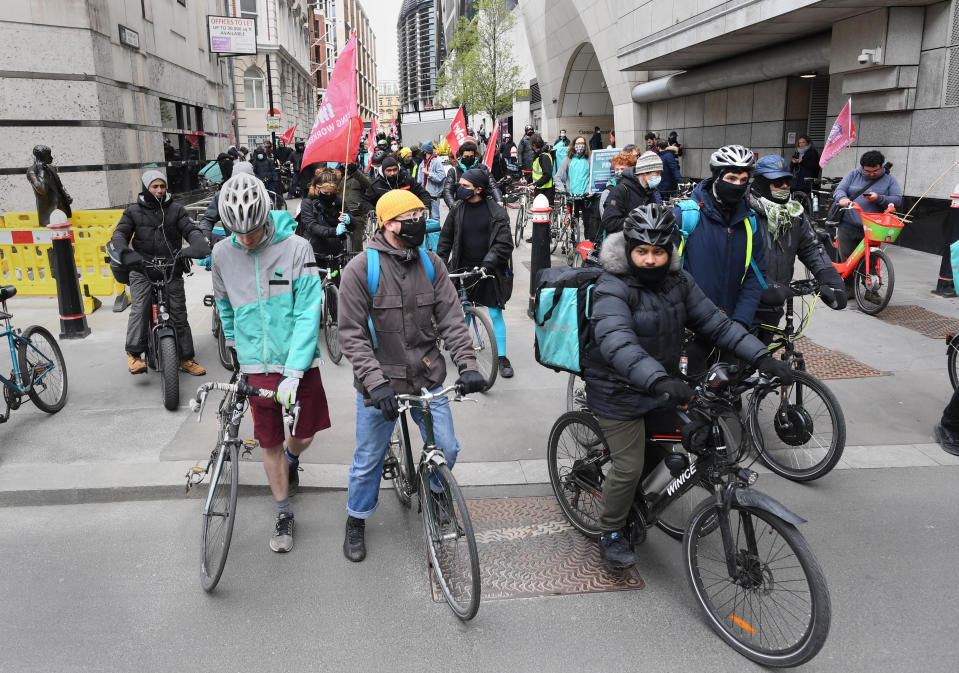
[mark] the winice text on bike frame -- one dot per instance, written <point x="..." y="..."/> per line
<point x="450" y="541"/>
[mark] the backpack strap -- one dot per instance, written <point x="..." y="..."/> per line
<point x="750" y="262"/>
<point x="373" y="281"/>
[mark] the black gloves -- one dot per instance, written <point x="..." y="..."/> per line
<point x="693" y="433"/>
<point x="471" y="381"/>
<point x="776" y="294"/>
<point x="834" y="298"/>
<point x="489" y="267"/>
<point x="677" y="391"/>
<point x="770" y="367"/>
<point x="131" y="259"/>
<point x="384" y="398"/>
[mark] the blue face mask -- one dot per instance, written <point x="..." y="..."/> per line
<point x="653" y="181"/>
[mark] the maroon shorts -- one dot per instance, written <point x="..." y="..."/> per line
<point x="268" y="428"/>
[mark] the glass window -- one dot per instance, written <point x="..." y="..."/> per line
<point x="254" y="89"/>
<point x="248" y="9"/>
<point x="167" y="114"/>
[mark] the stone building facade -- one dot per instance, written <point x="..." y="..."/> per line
<point x="760" y="72"/>
<point x="109" y="108"/>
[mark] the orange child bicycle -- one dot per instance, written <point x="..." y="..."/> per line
<point x="874" y="275"/>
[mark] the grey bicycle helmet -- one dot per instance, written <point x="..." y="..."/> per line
<point x="244" y="204"/>
<point x="732" y="158"/>
<point x="651" y="224"/>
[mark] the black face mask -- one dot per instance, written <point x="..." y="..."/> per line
<point x="728" y="193"/>
<point x="463" y="193"/>
<point x="651" y="276"/>
<point x="468" y="161"/>
<point x="413" y="231"/>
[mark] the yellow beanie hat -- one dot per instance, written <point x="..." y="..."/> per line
<point x="396" y="202"/>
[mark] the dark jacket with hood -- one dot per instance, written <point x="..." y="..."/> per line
<point x="402" y="311"/>
<point x="450" y="246"/>
<point x="403" y="180"/>
<point x="453" y="176"/>
<point x="319" y="217"/>
<point x="637" y="333"/>
<point x="524" y="154"/>
<point x="671" y="174"/>
<point x="715" y="254"/>
<point x="798" y="239"/>
<point x="627" y="194"/>
<point x="265" y="169"/>
<point x="297" y="157"/>
<point x="157" y="229"/>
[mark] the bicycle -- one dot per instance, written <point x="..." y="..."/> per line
<point x="569" y="228"/>
<point x="219" y="509"/>
<point x="952" y="358"/>
<point x="519" y="199"/>
<point x="328" y="319"/>
<point x="480" y="327"/>
<point x="37" y="370"/>
<point x="802" y="434"/>
<point x="371" y="225"/>
<point x="871" y="268"/>
<point x="734" y="540"/>
<point x="447" y="527"/>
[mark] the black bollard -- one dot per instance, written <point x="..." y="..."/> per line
<point x="539" y="254"/>
<point x="73" y="322"/>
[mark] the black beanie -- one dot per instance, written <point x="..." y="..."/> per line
<point x="477" y="177"/>
<point x="387" y="162"/>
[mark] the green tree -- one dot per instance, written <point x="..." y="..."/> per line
<point x="479" y="71"/>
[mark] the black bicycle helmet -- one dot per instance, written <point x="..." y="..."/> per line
<point x="378" y="157"/>
<point x="651" y="224"/>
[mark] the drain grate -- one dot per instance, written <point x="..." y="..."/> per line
<point x="916" y="318"/>
<point x="527" y="549"/>
<point x="825" y="363"/>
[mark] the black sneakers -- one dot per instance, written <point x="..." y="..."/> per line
<point x="505" y="367"/>
<point x="354" y="544"/>
<point x="615" y="552"/>
<point x="282" y="540"/>
<point x="948" y="441"/>
<point x="293" y="462"/>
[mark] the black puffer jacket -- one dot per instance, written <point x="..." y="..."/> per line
<point x="319" y="217"/>
<point x="628" y="193"/>
<point x="450" y="246"/>
<point x="797" y="240"/>
<point x="157" y="230"/>
<point x="637" y="333"/>
<point x="381" y="184"/>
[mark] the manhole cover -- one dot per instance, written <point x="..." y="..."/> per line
<point x="825" y="363"/>
<point x="927" y="323"/>
<point x="527" y="548"/>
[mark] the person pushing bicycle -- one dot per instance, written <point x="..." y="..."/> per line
<point x="787" y="233"/>
<point x="389" y="298"/>
<point x="641" y="305"/>
<point x="267" y="289"/>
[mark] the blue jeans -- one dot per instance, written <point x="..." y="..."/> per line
<point x="372" y="440"/>
<point x="435" y="207"/>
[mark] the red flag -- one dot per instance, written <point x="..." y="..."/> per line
<point x="842" y="135"/>
<point x="457" y="132"/>
<point x="371" y="138"/>
<point x="287" y="136"/>
<point x="491" y="147"/>
<point x="336" y="133"/>
<point x="393" y="126"/>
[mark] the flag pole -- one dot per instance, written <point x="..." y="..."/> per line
<point x="349" y="135"/>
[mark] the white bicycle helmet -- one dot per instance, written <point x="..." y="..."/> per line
<point x="732" y="157"/>
<point x="244" y="204"/>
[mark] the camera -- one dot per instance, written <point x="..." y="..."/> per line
<point x="863" y="58"/>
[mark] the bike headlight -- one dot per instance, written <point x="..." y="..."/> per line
<point x="748" y="476"/>
<point x="165" y="316"/>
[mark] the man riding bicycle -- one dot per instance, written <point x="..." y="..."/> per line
<point x="268" y="292"/>
<point x="641" y="305"/>
<point x="387" y="334"/>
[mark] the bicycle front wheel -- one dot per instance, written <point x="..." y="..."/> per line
<point x="952" y="358"/>
<point x="576" y="393"/>
<point x="799" y="430"/>
<point x="331" y="331"/>
<point x="169" y="372"/>
<point x="578" y="459"/>
<point x="450" y="541"/>
<point x="396" y="452"/>
<point x="521" y="216"/>
<point x="43" y="368"/>
<point x="873" y="287"/>
<point x="219" y="518"/>
<point x="484" y="344"/>
<point x="775" y="610"/>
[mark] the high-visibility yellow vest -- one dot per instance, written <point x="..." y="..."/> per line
<point x="538" y="174"/>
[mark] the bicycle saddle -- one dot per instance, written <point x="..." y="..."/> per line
<point x="7" y="291"/>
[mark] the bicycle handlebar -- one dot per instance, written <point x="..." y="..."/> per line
<point x="291" y="416"/>
<point x="406" y="399"/>
<point x="475" y="271"/>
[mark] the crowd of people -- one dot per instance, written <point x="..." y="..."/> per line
<point x="718" y="263"/>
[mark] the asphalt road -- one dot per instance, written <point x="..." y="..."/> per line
<point x="114" y="587"/>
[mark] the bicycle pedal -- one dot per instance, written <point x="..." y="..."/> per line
<point x="390" y="468"/>
<point x="248" y="447"/>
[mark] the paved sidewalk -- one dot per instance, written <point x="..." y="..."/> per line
<point x="114" y="437"/>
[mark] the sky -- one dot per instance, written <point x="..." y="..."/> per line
<point x="382" y="15"/>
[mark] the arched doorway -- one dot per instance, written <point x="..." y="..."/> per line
<point x="584" y="101"/>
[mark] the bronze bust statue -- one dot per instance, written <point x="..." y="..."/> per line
<point x="47" y="187"/>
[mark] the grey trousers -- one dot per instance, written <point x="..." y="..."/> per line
<point x="627" y="449"/>
<point x="141" y="307"/>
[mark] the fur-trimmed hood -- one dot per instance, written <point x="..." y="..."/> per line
<point x="613" y="256"/>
